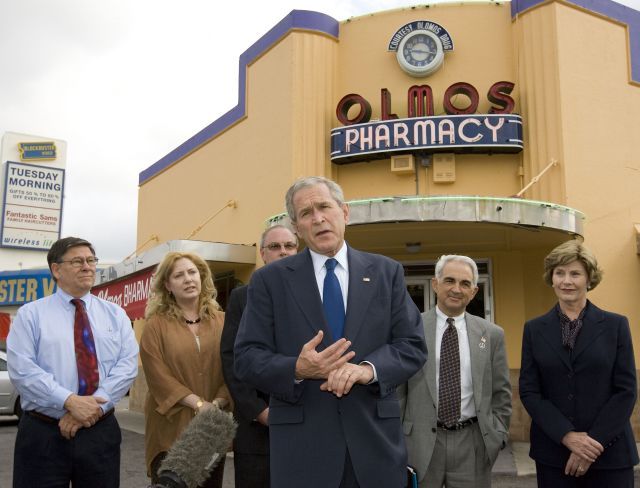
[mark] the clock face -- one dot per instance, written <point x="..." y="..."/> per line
<point x="420" y="53"/>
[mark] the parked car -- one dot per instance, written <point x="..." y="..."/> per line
<point x="9" y="398"/>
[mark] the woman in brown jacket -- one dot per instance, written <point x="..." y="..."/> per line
<point x="180" y="353"/>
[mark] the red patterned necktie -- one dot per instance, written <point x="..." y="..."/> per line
<point x="449" y="384"/>
<point x="86" y="358"/>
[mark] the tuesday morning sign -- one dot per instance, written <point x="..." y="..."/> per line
<point x="32" y="210"/>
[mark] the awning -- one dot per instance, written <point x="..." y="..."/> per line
<point x="456" y="223"/>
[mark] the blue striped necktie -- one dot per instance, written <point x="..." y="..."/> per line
<point x="332" y="301"/>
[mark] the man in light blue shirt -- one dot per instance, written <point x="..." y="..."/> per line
<point x="65" y="434"/>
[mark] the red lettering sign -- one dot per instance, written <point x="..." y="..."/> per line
<point x="348" y="101"/>
<point x="420" y="102"/>
<point x="131" y="293"/>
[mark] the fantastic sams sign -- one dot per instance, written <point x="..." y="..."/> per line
<point x="461" y="130"/>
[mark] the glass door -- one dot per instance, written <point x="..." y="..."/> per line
<point x="419" y="289"/>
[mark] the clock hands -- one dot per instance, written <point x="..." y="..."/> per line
<point x="421" y="51"/>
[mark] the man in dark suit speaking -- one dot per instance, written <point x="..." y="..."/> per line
<point x="329" y="333"/>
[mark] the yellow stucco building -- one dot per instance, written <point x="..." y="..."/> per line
<point x="530" y="140"/>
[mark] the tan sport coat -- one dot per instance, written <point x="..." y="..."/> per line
<point x="491" y="392"/>
<point x="174" y="367"/>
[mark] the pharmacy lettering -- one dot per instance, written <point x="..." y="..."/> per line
<point x="485" y="133"/>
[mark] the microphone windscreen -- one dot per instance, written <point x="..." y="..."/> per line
<point x="200" y="446"/>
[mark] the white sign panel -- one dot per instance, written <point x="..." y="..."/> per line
<point x="32" y="211"/>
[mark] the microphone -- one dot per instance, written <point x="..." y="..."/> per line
<point x="197" y="450"/>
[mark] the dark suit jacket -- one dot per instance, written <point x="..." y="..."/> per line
<point x="310" y="429"/>
<point x="592" y="389"/>
<point x="251" y="437"/>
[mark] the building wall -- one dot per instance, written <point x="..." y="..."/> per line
<point x="285" y="135"/>
<point x="600" y="127"/>
<point x="572" y="87"/>
<point x="537" y="61"/>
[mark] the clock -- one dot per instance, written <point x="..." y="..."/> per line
<point x="420" y="53"/>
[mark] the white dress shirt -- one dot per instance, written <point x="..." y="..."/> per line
<point x="341" y="271"/>
<point x="467" y="405"/>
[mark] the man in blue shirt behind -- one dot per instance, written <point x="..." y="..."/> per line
<point x="72" y="356"/>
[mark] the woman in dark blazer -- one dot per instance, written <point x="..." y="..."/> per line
<point x="578" y="381"/>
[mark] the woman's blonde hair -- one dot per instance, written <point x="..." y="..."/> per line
<point x="162" y="302"/>
<point x="569" y="252"/>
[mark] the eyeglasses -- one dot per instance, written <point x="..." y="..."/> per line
<point x="276" y="246"/>
<point x="79" y="262"/>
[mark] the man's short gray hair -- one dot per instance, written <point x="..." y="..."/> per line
<point x="448" y="258"/>
<point x="334" y="189"/>
<point x="263" y="237"/>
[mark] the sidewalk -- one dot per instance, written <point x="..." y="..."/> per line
<point x="131" y="421"/>
<point x="513" y="460"/>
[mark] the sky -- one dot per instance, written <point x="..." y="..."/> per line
<point x="124" y="82"/>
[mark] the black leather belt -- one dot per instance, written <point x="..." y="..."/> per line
<point x="53" y="420"/>
<point x="458" y="425"/>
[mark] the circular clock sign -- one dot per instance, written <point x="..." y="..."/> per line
<point x="420" y="53"/>
<point x="420" y="47"/>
